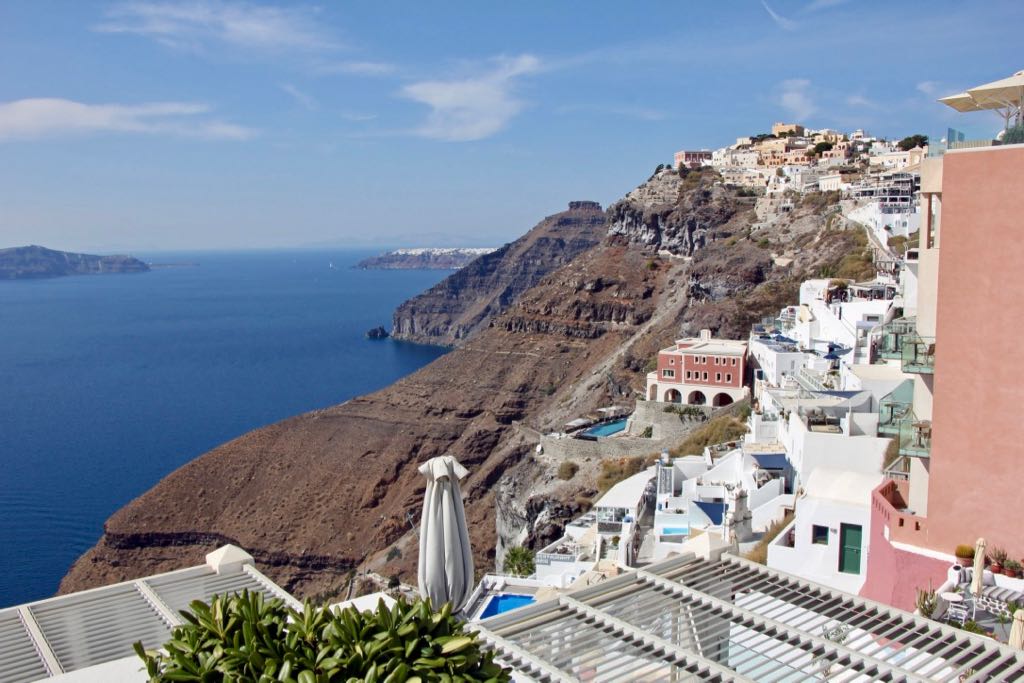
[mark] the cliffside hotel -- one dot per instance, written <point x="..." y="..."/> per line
<point x="700" y="371"/>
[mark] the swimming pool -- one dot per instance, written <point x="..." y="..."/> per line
<point x="503" y="602"/>
<point x="607" y="429"/>
<point x="676" y="531"/>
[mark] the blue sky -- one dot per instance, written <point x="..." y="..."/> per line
<point x="147" y="125"/>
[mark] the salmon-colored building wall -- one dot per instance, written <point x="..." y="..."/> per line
<point x="685" y="361"/>
<point x="893" y="575"/>
<point x="977" y="455"/>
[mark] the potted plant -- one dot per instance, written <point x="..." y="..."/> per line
<point x="964" y="555"/>
<point x="997" y="558"/>
<point x="1012" y="568"/>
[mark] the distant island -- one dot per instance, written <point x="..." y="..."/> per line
<point x="34" y="262"/>
<point x="426" y="258"/>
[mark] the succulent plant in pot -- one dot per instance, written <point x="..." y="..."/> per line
<point x="964" y="555"/>
<point x="997" y="558"/>
<point x="1012" y="568"/>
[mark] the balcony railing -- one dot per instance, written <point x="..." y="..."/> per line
<point x="915" y="437"/>
<point x="888" y="339"/>
<point x="918" y="354"/>
<point x="899" y="469"/>
<point x="894" y="408"/>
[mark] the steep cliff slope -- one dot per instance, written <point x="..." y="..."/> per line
<point x="18" y="263"/>
<point x="317" y="495"/>
<point x="464" y="302"/>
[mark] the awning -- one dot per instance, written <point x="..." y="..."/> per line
<point x="771" y="461"/>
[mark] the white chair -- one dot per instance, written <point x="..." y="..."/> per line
<point x="957" y="612"/>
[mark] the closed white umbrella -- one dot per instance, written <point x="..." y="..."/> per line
<point x="446" y="560"/>
<point x="1017" y="630"/>
<point x="979" y="567"/>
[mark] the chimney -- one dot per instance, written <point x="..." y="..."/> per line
<point x="705" y="335"/>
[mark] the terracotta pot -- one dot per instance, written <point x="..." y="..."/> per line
<point x="996" y="568"/>
<point x="1012" y="573"/>
<point x="965" y="561"/>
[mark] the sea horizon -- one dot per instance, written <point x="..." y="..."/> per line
<point x="114" y="381"/>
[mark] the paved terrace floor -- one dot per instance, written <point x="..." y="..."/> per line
<point x="734" y="620"/>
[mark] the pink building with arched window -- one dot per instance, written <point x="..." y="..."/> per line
<point x="700" y="371"/>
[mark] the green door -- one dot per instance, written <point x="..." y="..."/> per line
<point x="849" y="548"/>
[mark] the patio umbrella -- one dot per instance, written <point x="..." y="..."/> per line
<point x="1016" y="639"/>
<point x="446" y="560"/>
<point x="979" y="567"/>
<point x="1005" y="96"/>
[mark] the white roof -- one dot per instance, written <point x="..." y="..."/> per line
<point x="628" y="492"/>
<point x="76" y="632"/>
<point x="734" y="620"/>
<point x="842" y="486"/>
<point x="365" y="603"/>
<point x="714" y="346"/>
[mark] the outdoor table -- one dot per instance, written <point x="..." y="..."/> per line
<point x="952" y="597"/>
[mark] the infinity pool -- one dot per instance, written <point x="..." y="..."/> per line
<point x="503" y="602"/>
<point x="676" y="531"/>
<point x="607" y="429"/>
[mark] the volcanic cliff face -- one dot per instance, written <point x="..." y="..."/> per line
<point x="465" y="302"/>
<point x="18" y="263"/>
<point x="320" y="494"/>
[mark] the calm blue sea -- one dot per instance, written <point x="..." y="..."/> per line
<point x="107" y="383"/>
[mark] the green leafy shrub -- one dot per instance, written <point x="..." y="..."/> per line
<point x="1014" y="135"/>
<point x="567" y="470"/>
<point x="245" y="637"/>
<point x="519" y="561"/>
<point x="647" y="433"/>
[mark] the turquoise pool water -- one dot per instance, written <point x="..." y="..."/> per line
<point x="676" y="531"/>
<point x="498" y="604"/>
<point x="607" y="429"/>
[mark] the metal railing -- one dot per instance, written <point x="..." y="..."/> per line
<point x="899" y="469"/>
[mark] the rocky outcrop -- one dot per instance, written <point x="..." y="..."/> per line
<point x="428" y="258"/>
<point x="377" y="333"/>
<point x="465" y="302"/>
<point x="675" y="211"/>
<point x="21" y="263"/>
<point x="322" y="494"/>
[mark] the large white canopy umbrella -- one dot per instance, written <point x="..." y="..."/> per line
<point x="979" y="568"/>
<point x="1017" y="630"/>
<point x="1005" y="96"/>
<point x="446" y="560"/>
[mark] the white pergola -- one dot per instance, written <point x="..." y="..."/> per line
<point x="734" y="620"/>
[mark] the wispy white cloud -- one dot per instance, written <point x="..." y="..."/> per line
<point x="357" y="68"/>
<point x="928" y="87"/>
<point x="306" y="100"/>
<point x="201" y="24"/>
<point x="816" y="5"/>
<point x="794" y="96"/>
<point x="50" y="117"/>
<point x="780" y="21"/>
<point x="861" y="101"/>
<point x="472" y="108"/>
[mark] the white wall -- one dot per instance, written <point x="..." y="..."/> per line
<point x="820" y="563"/>
<point x="809" y="450"/>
